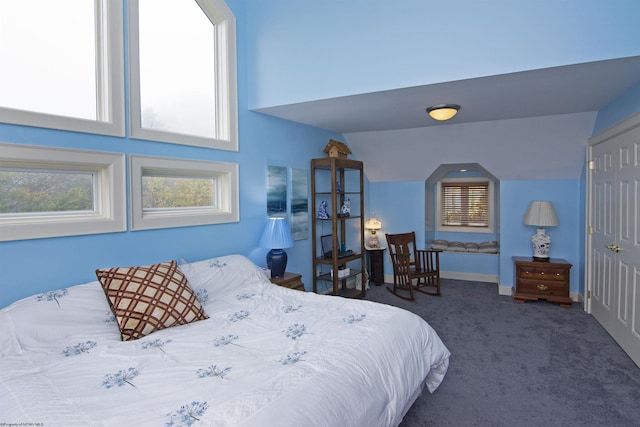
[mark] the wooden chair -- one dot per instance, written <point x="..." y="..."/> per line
<point x="411" y="264"/>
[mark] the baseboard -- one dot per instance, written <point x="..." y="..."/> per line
<point x="473" y="277"/>
<point x="505" y="290"/>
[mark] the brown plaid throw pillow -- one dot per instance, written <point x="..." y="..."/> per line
<point x="150" y="298"/>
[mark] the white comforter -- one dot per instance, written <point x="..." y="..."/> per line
<point x="267" y="356"/>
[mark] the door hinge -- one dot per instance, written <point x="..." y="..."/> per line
<point x="591" y="229"/>
<point x="589" y="294"/>
<point x="591" y="165"/>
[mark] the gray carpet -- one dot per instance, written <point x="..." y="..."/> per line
<point x="532" y="364"/>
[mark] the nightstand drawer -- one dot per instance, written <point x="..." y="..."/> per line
<point x="543" y="287"/>
<point x="543" y="273"/>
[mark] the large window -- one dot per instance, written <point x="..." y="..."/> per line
<point x="50" y="192"/>
<point x="465" y="205"/>
<point x="62" y="65"/>
<point x="167" y="192"/>
<point x="183" y="72"/>
<point x="63" y="68"/>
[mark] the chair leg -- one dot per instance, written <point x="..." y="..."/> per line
<point x="429" y="282"/>
<point x="394" y="291"/>
<point x="402" y="283"/>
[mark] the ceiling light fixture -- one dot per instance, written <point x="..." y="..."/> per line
<point x="443" y="111"/>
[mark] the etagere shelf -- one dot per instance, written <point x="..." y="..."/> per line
<point x="336" y="180"/>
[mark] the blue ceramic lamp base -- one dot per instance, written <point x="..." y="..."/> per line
<point x="277" y="262"/>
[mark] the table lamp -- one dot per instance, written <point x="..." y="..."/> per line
<point x="276" y="236"/>
<point x="373" y="225"/>
<point x="541" y="214"/>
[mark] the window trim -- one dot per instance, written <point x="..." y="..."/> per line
<point x="227" y="192"/>
<point x="465" y="229"/>
<point x="110" y="82"/>
<point x="110" y="214"/>
<point x="226" y="82"/>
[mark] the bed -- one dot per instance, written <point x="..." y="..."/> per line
<point x="262" y="355"/>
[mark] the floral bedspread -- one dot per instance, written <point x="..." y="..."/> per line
<point x="266" y="356"/>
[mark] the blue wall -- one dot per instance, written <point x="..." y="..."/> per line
<point x="33" y="266"/>
<point x="619" y="109"/>
<point x="361" y="46"/>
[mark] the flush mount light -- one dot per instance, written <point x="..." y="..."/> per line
<point x="443" y="111"/>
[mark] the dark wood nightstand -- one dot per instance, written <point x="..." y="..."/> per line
<point x="547" y="280"/>
<point x="289" y="280"/>
<point x="375" y="265"/>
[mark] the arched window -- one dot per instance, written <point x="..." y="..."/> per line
<point x="183" y="73"/>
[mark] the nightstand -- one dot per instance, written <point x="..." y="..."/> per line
<point x="289" y="280"/>
<point x="375" y="264"/>
<point x="548" y="280"/>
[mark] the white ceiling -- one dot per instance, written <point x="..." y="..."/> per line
<point x="561" y="90"/>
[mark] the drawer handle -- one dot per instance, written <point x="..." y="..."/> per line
<point x="542" y="287"/>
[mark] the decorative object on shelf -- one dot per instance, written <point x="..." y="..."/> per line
<point x="373" y="225"/>
<point x="276" y="236"/>
<point x="322" y="211"/>
<point x="337" y="149"/>
<point x="541" y="214"/>
<point x="342" y="272"/>
<point x="443" y="111"/>
<point x="345" y="210"/>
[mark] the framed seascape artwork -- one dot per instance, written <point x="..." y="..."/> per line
<point x="276" y="191"/>
<point x="299" y="204"/>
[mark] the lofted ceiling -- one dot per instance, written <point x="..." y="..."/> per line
<point x="568" y="89"/>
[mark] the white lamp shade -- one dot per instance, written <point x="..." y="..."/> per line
<point x="373" y="224"/>
<point x="541" y="214"/>
<point x="276" y="234"/>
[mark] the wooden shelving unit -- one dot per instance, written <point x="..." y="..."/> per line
<point x="336" y="180"/>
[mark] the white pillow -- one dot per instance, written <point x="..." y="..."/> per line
<point x="471" y="247"/>
<point x="488" y="249"/>
<point x="217" y="276"/>
<point x="53" y="317"/>
<point x="456" y="247"/>
<point x="439" y="244"/>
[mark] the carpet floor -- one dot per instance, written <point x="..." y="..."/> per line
<point x="532" y="364"/>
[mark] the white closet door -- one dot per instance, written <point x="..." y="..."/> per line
<point x="614" y="254"/>
<point x="603" y="305"/>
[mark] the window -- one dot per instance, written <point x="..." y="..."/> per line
<point x="63" y="65"/>
<point x="167" y="192"/>
<point x="32" y="191"/>
<point x="51" y="192"/>
<point x="183" y="72"/>
<point x="465" y="205"/>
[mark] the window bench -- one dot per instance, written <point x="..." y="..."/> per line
<point x="469" y="261"/>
